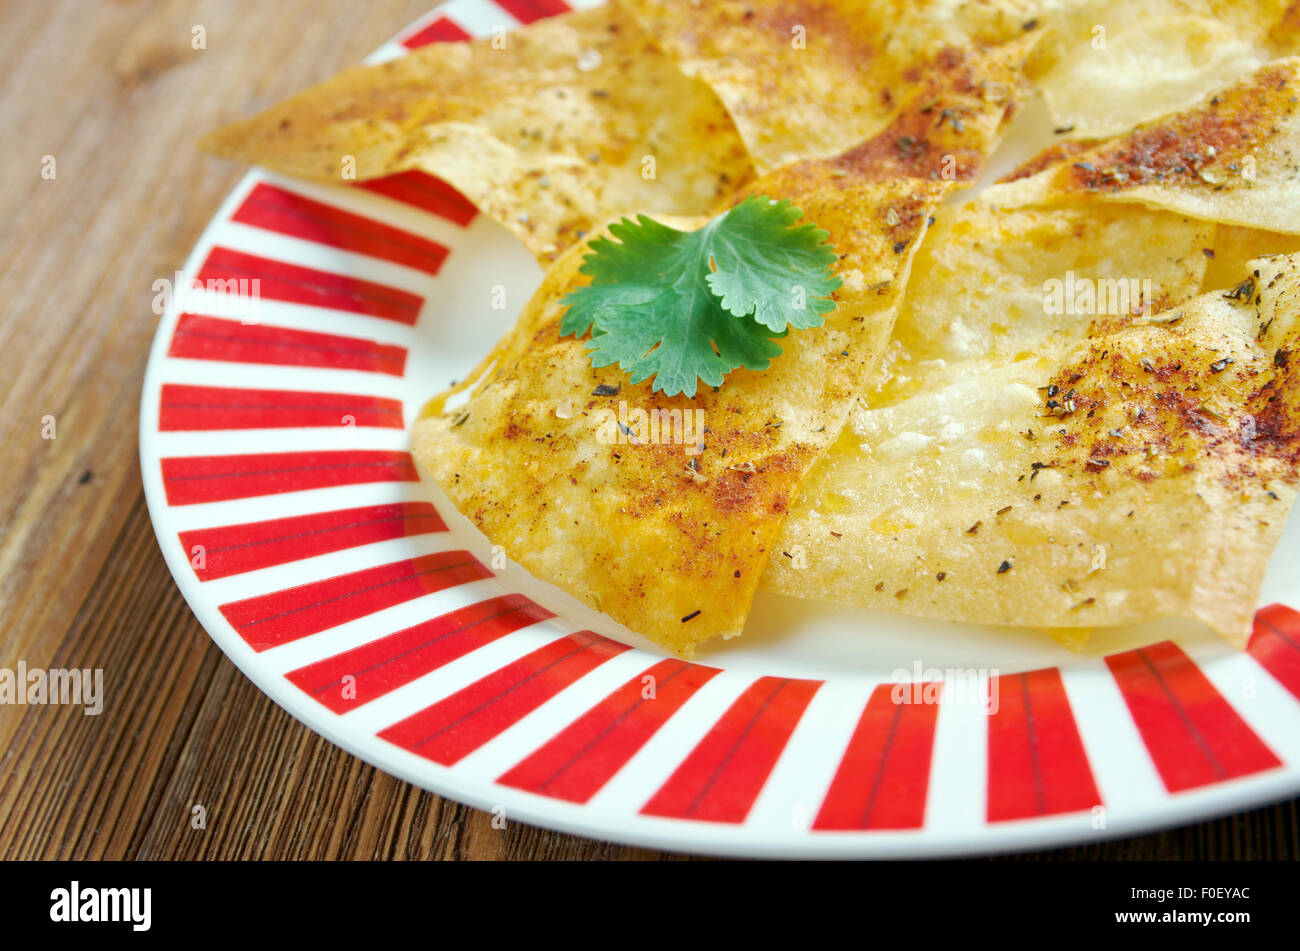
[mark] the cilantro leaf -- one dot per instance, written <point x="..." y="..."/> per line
<point x="765" y="267"/>
<point x="684" y="307"/>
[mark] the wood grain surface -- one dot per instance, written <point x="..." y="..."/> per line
<point x="117" y="95"/>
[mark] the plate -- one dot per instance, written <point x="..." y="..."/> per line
<point x="304" y="333"/>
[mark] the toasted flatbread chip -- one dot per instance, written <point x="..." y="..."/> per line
<point x="1150" y="64"/>
<point x="993" y="288"/>
<point x="1107" y="66"/>
<point x="1235" y="247"/>
<point x="1234" y="159"/>
<point x="1129" y="469"/>
<point x="667" y="539"/>
<point x="1050" y="157"/>
<point x="810" y="80"/>
<point x="670" y="542"/>
<point x="578" y="119"/>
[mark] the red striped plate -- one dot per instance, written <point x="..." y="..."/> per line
<point x="274" y="450"/>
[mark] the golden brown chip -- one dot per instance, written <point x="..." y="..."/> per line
<point x="1106" y="65"/>
<point x="993" y="288"/>
<point x="1044" y="472"/>
<point x="665" y="535"/>
<point x="812" y="79"/>
<point x="669" y="541"/>
<point x="1234" y="159"/>
<point x="575" y="120"/>
<point x="1235" y="247"/>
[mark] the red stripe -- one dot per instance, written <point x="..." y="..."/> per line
<point x="440" y="30"/>
<point x="1037" y="764"/>
<point x="724" y="774"/>
<point x="585" y="755"/>
<point x="272" y="619"/>
<point x="528" y="11"/>
<point x="1276" y="644"/>
<point x="453" y="728"/>
<point x="883" y="779"/>
<point x="386" y="664"/>
<point x="279" y="280"/>
<point x="191" y="479"/>
<point x="1194" y="737"/>
<point x="234" y="549"/>
<point x="425" y="192"/>
<point x="212" y="338"/>
<point x="286" y="212"/>
<point x="189" y="408"/>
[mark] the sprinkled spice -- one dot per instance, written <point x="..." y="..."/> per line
<point x="688" y="617"/>
<point x="940" y="576"/>
<point x="1218" y="366"/>
<point x="1004" y="567"/>
<point x="974" y="528"/>
<point x="1004" y="510"/>
<point x="1243" y="291"/>
<point x="606" y="389"/>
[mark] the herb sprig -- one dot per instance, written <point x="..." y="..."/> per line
<point x="691" y="306"/>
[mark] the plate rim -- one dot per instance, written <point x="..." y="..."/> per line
<point x="677" y="835"/>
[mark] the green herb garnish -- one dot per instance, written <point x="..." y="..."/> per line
<point x="682" y="306"/>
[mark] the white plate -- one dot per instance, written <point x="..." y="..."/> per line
<point x="275" y="464"/>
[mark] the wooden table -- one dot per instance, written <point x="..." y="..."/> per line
<point x="117" y="95"/>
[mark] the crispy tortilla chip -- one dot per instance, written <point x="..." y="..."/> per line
<point x="1234" y="159"/>
<point x="1235" y="247"/>
<point x="1120" y="469"/>
<point x="672" y="543"/>
<point x="669" y="541"/>
<point x="579" y="119"/>
<point x="983" y="282"/>
<point x="812" y="79"/>
<point x="1050" y="157"/>
<point x="1107" y="66"/>
<point x="1152" y="63"/>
